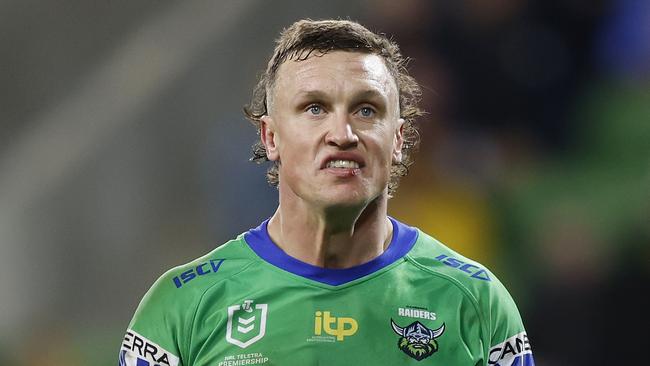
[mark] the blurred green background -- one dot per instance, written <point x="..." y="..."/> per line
<point x="123" y="152"/>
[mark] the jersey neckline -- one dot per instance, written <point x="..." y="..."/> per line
<point x="401" y="243"/>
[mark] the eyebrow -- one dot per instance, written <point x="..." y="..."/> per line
<point x="358" y="96"/>
<point x="311" y="94"/>
<point x="371" y="94"/>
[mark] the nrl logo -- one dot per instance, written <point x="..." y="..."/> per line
<point x="416" y="340"/>
<point x="246" y="324"/>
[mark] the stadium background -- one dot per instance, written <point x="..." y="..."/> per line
<point x="123" y="152"/>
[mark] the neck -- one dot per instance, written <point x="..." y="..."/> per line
<point x="340" y="237"/>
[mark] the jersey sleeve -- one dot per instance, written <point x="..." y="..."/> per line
<point x="508" y="343"/>
<point x="502" y="338"/>
<point x="153" y="335"/>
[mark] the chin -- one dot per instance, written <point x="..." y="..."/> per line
<point x="347" y="197"/>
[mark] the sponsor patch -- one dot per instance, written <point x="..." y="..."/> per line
<point x="336" y="328"/>
<point x="137" y="350"/>
<point x="514" y="351"/>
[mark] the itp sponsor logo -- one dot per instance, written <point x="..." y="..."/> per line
<point x="340" y="327"/>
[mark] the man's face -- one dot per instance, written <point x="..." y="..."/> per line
<point x="334" y="127"/>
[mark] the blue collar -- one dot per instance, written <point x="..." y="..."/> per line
<point x="258" y="240"/>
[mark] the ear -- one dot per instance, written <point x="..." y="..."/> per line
<point x="398" y="141"/>
<point x="268" y="137"/>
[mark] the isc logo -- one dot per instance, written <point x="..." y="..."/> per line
<point x="200" y="270"/>
<point x="342" y="328"/>
<point x="472" y="270"/>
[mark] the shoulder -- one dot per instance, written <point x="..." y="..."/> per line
<point x="203" y="272"/>
<point x="215" y="266"/>
<point x="180" y="288"/>
<point x="492" y="300"/>
<point x="435" y="257"/>
<point x="159" y="328"/>
<point x="506" y="341"/>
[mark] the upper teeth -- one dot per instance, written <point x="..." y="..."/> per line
<point x="349" y="164"/>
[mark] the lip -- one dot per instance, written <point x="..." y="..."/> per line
<point x="343" y="156"/>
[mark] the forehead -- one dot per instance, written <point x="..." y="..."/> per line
<point x="336" y="71"/>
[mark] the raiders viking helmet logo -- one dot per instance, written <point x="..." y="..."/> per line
<point x="416" y="340"/>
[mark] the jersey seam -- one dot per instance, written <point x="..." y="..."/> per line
<point x="198" y="303"/>
<point x="463" y="288"/>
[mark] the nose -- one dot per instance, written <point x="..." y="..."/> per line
<point x="341" y="133"/>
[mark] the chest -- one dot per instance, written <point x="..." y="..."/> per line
<point x="395" y="319"/>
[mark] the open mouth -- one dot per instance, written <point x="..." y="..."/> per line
<point x="344" y="161"/>
<point x="342" y="164"/>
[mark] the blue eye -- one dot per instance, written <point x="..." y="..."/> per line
<point x="315" y="109"/>
<point x="366" y="112"/>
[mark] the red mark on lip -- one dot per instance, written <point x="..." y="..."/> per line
<point x="344" y="172"/>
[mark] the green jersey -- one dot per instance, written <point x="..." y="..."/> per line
<point x="249" y="303"/>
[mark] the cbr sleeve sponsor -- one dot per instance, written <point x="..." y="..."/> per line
<point x="137" y="350"/>
<point x="514" y="351"/>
